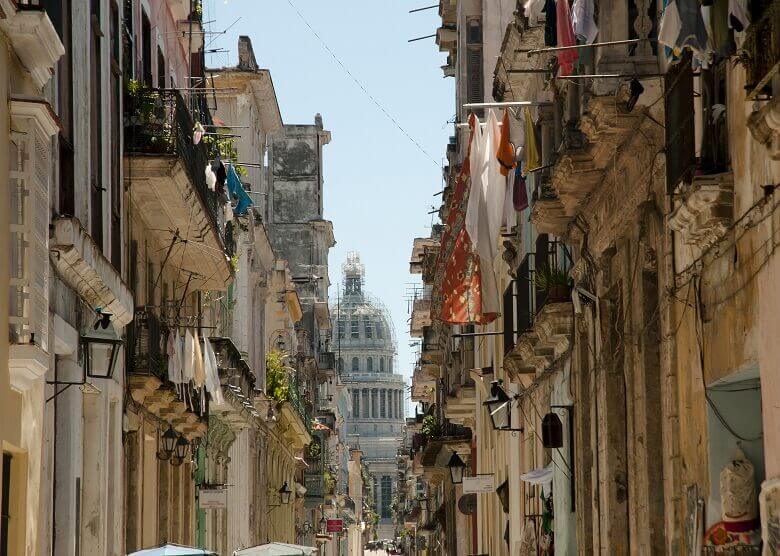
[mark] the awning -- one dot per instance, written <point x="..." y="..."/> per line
<point x="173" y="550"/>
<point x="277" y="549"/>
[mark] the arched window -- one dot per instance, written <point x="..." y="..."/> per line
<point x="381" y="364"/>
<point x="370" y="364"/>
<point x="355" y="364"/>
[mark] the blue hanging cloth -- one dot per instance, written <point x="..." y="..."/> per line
<point x="236" y="191"/>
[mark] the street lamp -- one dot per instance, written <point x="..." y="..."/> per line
<point x="100" y="355"/>
<point x="180" y="451"/>
<point x="457" y="468"/>
<point x="284" y="493"/>
<point x="499" y="407"/>
<point x="552" y="431"/>
<point x="169" y="441"/>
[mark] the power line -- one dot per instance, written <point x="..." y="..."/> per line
<point x="362" y="87"/>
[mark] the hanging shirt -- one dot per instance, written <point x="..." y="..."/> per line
<point x="739" y="15"/>
<point x="219" y="171"/>
<point x="519" y="192"/>
<point x="585" y="27"/>
<point x="211" y="177"/>
<point x="532" y="159"/>
<point x="682" y="26"/>
<point x="199" y="375"/>
<point x="237" y="192"/>
<point x="506" y="151"/>
<point x="197" y="133"/>
<point x="566" y="58"/>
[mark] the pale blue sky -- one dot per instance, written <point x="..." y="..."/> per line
<point x="378" y="185"/>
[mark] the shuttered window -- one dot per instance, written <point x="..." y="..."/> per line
<point x="680" y="134"/>
<point x="474" y="82"/>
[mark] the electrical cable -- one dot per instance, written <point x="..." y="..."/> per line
<point x="361" y="86"/>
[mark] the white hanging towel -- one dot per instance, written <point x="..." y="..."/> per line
<point x="542" y="476"/>
<point x="582" y="18"/>
<point x="173" y="350"/>
<point x="188" y="365"/>
<point x="211" y="177"/>
<point x="212" y="372"/>
<point x="485" y="207"/>
<point x="199" y="377"/>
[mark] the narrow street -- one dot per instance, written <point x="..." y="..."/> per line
<point x="370" y="278"/>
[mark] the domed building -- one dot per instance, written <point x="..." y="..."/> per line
<point x="365" y="349"/>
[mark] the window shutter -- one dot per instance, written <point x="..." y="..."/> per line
<point x="680" y="134"/>
<point x="29" y="198"/>
<point x="474" y="84"/>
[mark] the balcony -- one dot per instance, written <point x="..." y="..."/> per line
<point x="238" y="386"/>
<point x="421" y="313"/>
<point x="762" y="44"/>
<point x="33" y="36"/>
<point x="147" y="378"/>
<point x="168" y="185"/>
<point x="706" y="211"/>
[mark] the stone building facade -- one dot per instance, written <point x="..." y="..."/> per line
<point x="655" y="198"/>
<point x="365" y="350"/>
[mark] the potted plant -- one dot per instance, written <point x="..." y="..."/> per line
<point x="554" y="282"/>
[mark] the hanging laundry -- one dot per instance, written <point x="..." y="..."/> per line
<point x="213" y="385"/>
<point x="228" y="212"/>
<point x="585" y="28"/>
<point x="197" y="133"/>
<point x="566" y="58"/>
<point x="458" y="275"/>
<point x="211" y="177"/>
<point x="237" y="192"/>
<point x="682" y="25"/>
<point x="188" y="357"/>
<point x="173" y="351"/>
<point x="506" y="150"/>
<point x="719" y="29"/>
<point x="533" y="10"/>
<point x="484" y="210"/>
<point x="519" y="192"/>
<point x="739" y="15"/>
<point x="219" y="170"/>
<point x="532" y="160"/>
<point x="550" y="24"/>
<point x="199" y="376"/>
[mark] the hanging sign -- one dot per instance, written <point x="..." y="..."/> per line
<point x="479" y="484"/>
<point x="334" y="525"/>
<point x="212" y="498"/>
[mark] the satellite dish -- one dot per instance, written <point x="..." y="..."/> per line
<point x="468" y="504"/>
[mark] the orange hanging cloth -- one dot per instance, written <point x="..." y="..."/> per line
<point x="506" y="150"/>
<point x="457" y="282"/>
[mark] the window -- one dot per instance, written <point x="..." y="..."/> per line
<point x="390" y="365"/>
<point x="387" y="494"/>
<point x="5" y="510"/>
<point x="355" y="364"/>
<point x="680" y="133"/>
<point x="356" y="403"/>
<point x="128" y="38"/>
<point x="474" y="85"/>
<point x="161" y="69"/>
<point x="116" y="130"/>
<point x="379" y="330"/>
<point x="370" y="364"/>
<point x="383" y="403"/>
<point x="367" y="326"/>
<point x="341" y="328"/>
<point x="381" y="364"/>
<point x="354" y="326"/>
<point x="146" y="50"/>
<point x="366" y="407"/>
<point x="96" y="128"/>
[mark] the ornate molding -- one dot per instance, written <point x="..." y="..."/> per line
<point x="764" y="126"/>
<point x="537" y="349"/>
<point x="549" y="216"/>
<point x="707" y="211"/>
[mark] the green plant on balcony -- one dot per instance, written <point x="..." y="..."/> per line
<point x="146" y="118"/>
<point x="430" y="427"/>
<point x="554" y="281"/>
<point x="314" y="450"/>
<point x="277" y="377"/>
<point x="328" y="483"/>
<point x="225" y="147"/>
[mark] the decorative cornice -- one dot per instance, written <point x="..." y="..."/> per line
<point x="707" y="211"/>
<point x="764" y="126"/>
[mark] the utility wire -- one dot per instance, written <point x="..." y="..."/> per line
<point x="361" y="86"/>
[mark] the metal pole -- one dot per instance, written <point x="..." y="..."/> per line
<point x="579" y="46"/>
